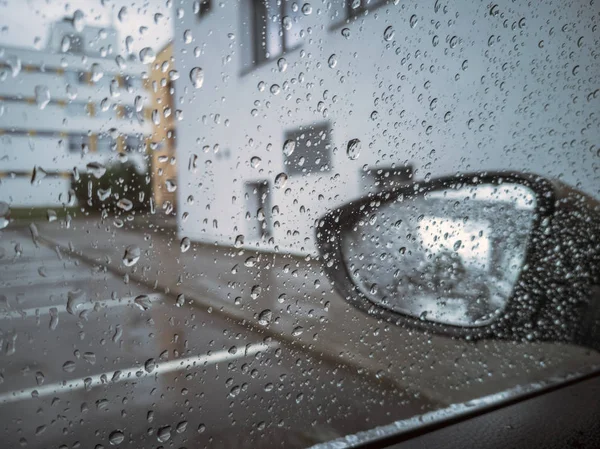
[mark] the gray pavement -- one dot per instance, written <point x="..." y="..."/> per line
<point x="83" y="356"/>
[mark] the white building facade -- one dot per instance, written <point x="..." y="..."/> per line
<point x="64" y="107"/>
<point x="428" y="88"/>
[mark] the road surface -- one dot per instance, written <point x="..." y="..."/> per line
<point x="90" y="359"/>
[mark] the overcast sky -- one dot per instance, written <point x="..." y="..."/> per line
<point x="22" y="22"/>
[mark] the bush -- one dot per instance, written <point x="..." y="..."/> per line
<point x="124" y="182"/>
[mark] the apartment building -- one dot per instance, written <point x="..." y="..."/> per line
<point x="80" y="100"/>
<point x="291" y="108"/>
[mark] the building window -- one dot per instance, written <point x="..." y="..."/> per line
<point x="105" y="144"/>
<point x="76" y="45"/>
<point x="275" y="28"/>
<point x="202" y="8"/>
<point x="312" y="150"/>
<point x="77" y="143"/>
<point x="357" y="7"/>
<point x="134" y="143"/>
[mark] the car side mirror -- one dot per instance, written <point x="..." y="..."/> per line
<point x="496" y="255"/>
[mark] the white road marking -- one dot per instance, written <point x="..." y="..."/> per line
<point x="62" y="308"/>
<point x="34" y="282"/>
<point x="135" y="373"/>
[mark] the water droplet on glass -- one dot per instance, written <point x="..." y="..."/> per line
<point x="288" y="147"/>
<point x="457" y="245"/>
<point x="96" y="72"/>
<point x="69" y="366"/>
<point x="275" y="89"/>
<point x="346" y="33"/>
<point x="255" y="292"/>
<point x="255" y="161"/>
<point x="282" y="64"/>
<point x="332" y="61"/>
<point x="287" y="23"/>
<point x="65" y="44"/>
<point x="147" y="55"/>
<point x="42" y="96"/>
<point x="307" y="9"/>
<point x="185" y="244"/>
<point x="180" y="301"/>
<point x="413" y="21"/>
<point x="75" y="300"/>
<point x="164" y="434"/>
<point x="125" y="204"/>
<point x="265" y="317"/>
<point x="131" y="256"/>
<point x="171" y="186"/>
<point x="355" y="4"/>
<point x="38" y="174"/>
<point x="197" y="77"/>
<point x="51" y="214"/>
<point x="353" y="150"/>
<point x="122" y="15"/>
<point x="78" y="23"/>
<point x="96" y="169"/>
<point x="116" y="437"/>
<point x="150" y="365"/>
<point x="103" y="194"/>
<point x="4" y="214"/>
<point x="281" y="180"/>
<point x="388" y="33"/>
<point x="297" y="331"/>
<point x="142" y="301"/>
<point x="250" y="261"/>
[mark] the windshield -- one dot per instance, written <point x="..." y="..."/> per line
<point x="164" y="165"/>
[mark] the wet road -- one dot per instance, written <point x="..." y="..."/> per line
<point x="90" y="359"/>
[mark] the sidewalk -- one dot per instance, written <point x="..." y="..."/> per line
<point x="306" y="313"/>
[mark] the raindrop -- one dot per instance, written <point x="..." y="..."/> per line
<point x="275" y="89"/>
<point x="457" y="245"/>
<point x="42" y="272"/>
<point x="69" y="366"/>
<point x="181" y="426"/>
<point x="355" y="4"/>
<point x="250" y="261"/>
<point x="255" y="161"/>
<point x="413" y="21"/>
<point x="255" y="292"/>
<point x="288" y="147"/>
<point x="39" y="378"/>
<point x="4" y="214"/>
<point x="197" y="77"/>
<point x="131" y="256"/>
<point x="353" y="150"/>
<point x="147" y="55"/>
<point x="332" y="61"/>
<point x="142" y="301"/>
<point x="96" y="169"/>
<point x="282" y="64"/>
<point x="150" y="365"/>
<point x="180" y="301"/>
<point x="164" y="434"/>
<point x="265" y="317"/>
<point x="75" y="300"/>
<point x="42" y="96"/>
<point x="281" y="180"/>
<point x="346" y="33"/>
<point x="307" y="9"/>
<point x="453" y="41"/>
<point x="239" y="241"/>
<point x="51" y="215"/>
<point x="388" y="34"/>
<point x="297" y="331"/>
<point x="171" y="186"/>
<point x="125" y="204"/>
<point x="96" y="72"/>
<point x="103" y="194"/>
<point x="116" y="437"/>
<point x="78" y="20"/>
<point x="122" y="15"/>
<point x="65" y="44"/>
<point x="287" y="23"/>
<point x="185" y="244"/>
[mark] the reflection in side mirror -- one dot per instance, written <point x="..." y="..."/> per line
<point x="452" y="256"/>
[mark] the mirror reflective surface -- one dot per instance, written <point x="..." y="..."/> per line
<point x="451" y="256"/>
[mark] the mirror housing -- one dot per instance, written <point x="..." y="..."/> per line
<point x="556" y="292"/>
